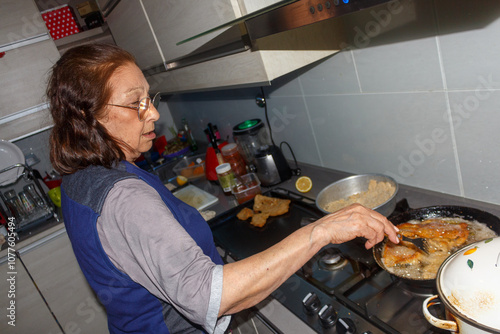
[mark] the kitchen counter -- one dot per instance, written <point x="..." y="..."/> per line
<point x="321" y="177"/>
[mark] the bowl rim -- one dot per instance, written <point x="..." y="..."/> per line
<point x="358" y="176"/>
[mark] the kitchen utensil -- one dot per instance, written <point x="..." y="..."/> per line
<point x="196" y="197"/>
<point x="14" y="205"/>
<point x="31" y="190"/>
<point x="356" y="184"/>
<point x="10" y="155"/>
<point x="262" y="157"/>
<point x="215" y="144"/>
<point x="28" y="204"/>
<point x="467" y="213"/>
<point x="420" y="243"/>
<point x="467" y="284"/>
<point x="213" y="157"/>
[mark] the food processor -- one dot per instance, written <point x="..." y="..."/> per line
<point x="259" y="153"/>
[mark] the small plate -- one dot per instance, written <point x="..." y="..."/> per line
<point x="10" y="155"/>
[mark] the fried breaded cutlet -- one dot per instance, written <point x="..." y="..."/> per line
<point x="270" y="205"/>
<point x="263" y="208"/>
<point x="259" y="219"/>
<point x="245" y="213"/>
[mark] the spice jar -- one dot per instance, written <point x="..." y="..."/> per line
<point x="225" y="176"/>
<point x="231" y="155"/>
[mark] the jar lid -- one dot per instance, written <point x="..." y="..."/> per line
<point x="223" y="168"/>
<point x="250" y="126"/>
<point x="229" y="148"/>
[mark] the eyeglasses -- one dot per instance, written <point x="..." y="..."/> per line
<point x="143" y="107"/>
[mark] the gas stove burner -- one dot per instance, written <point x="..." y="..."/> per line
<point x="332" y="260"/>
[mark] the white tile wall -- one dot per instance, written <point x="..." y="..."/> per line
<point x="416" y="96"/>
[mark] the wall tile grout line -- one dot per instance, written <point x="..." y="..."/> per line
<point x="450" y="119"/>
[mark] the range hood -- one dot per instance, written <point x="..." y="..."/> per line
<point x="281" y="16"/>
<point x="291" y="14"/>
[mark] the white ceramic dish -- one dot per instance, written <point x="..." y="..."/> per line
<point x="10" y="155"/>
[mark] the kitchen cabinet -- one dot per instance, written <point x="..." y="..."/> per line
<point x="177" y="20"/>
<point x="29" y="55"/>
<point x="222" y="58"/>
<point x="20" y="20"/>
<point x="131" y="31"/>
<point x="53" y="266"/>
<point x="31" y="313"/>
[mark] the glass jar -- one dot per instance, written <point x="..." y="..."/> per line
<point x="231" y="155"/>
<point x="225" y="175"/>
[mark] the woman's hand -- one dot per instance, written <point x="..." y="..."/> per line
<point x="249" y="281"/>
<point x="356" y="221"/>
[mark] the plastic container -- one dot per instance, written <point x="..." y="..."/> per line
<point x="231" y="155"/>
<point x="247" y="191"/>
<point x="226" y="176"/>
<point x="191" y="167"/>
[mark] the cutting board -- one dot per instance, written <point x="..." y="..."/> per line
<point x="194" y="196"/>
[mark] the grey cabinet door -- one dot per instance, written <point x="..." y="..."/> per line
<point x="31" y="313"/>
<point x="130" y="28"/>
<point x="19" y="20"/>
<point x="23" y="78"/>
<point x="57" y="274"/>
<point x="176" y="20"/>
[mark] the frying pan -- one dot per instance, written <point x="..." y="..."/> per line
<point x="492" y="221"/>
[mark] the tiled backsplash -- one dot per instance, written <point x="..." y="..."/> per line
<point x="416" y="96"/>
<point x="418" y="99"/>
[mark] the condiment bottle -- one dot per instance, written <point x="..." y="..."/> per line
<point x="225" y="175"/>
<point x="231" y="155"/>
<point x="189" y="135"/>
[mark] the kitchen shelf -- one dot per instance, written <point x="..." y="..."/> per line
<point x="87" y="36"/>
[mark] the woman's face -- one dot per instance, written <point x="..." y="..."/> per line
<point x="129" y="86"/>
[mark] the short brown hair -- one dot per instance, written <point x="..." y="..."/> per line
<point x="78" y="91"/>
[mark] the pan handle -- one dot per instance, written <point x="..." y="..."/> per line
<point x="443" y="324"/>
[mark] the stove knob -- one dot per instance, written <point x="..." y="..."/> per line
<point x="311" y="303"/>
<point x="327" y="316"/>
<point x="346" y="326"/>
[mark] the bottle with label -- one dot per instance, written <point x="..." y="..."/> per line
<point x="225" y="175"/>
<point x="189" y="135"/>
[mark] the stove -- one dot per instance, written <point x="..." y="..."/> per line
<point x="341" y="289"/>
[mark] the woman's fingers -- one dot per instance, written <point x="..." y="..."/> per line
<point x="358" y="221"/>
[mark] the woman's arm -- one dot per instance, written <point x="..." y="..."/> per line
<point x="249" y="281"/>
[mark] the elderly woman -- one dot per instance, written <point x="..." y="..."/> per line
<point x="149" y="257"/>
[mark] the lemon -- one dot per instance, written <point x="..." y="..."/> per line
<point x="181" y="180"/>
<point x="303" y="184"/>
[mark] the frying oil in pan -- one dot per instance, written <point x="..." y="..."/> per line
<point x="410" y="263"/>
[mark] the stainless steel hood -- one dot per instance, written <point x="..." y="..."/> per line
<point x="301" y="13"/>
<point x="279" y="17"/>
<point x="290" y="14"/>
